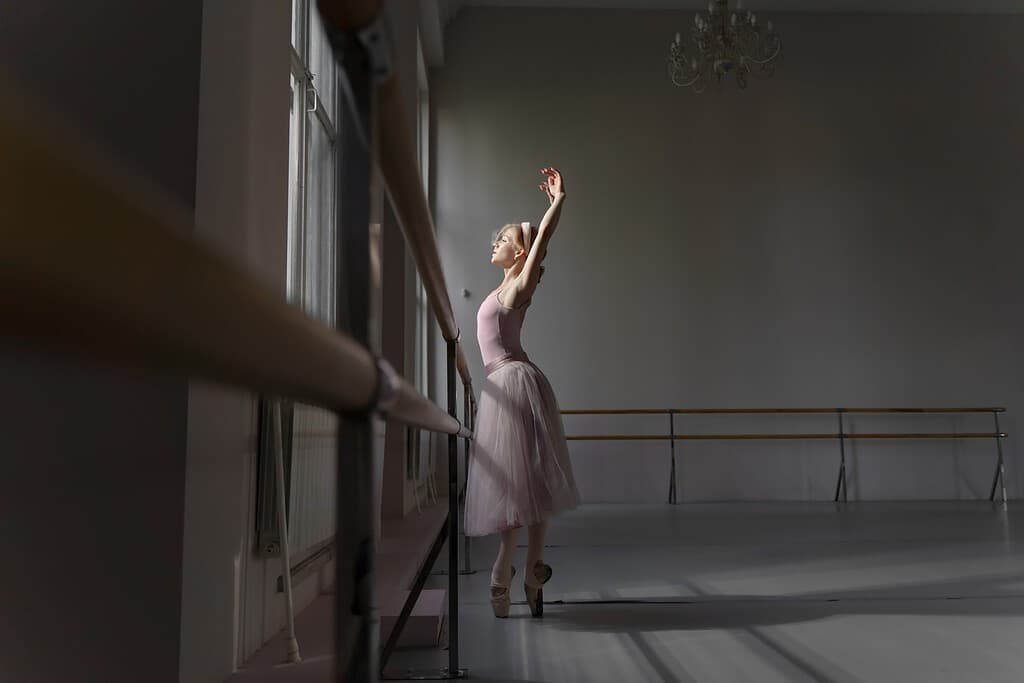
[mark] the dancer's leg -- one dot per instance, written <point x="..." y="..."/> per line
<point x="501" y="572"/>
<point x="535" y="550"/>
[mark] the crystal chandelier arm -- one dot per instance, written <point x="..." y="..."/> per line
<point x="679" y="67"/>
<point x="749" y="43"/>
<point x="684" y="84"/>
<point x="761" y="62"/>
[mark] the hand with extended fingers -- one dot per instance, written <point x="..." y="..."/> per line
<point x="553" y="186"/>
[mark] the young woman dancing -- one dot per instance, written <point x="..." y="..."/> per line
<point x="519" y="473"/>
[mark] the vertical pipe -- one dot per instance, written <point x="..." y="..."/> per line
<point x="453" y="524"/>
<point x="1000" y="467"/>
<point x="841" y="481"/>
<point x="356" y="631"/>
<point x="672" y="499"/>
<point x="465" y="422"/>
<point x="292" y="644"/>
<point x="467" y="391"/>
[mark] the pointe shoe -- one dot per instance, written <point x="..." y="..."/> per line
<point x="535" y="595"/>
<point x="500" y="597"/>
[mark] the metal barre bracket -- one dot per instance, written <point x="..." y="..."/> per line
<point x="373" y="37"/>
<point x="387" y="381"/>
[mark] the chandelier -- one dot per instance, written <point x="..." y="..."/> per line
<point x="723" y="41"/>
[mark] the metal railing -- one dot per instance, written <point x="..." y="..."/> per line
<point x="841" y="435"/>
<point x="377" y="124"/>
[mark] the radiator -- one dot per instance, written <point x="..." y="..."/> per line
<point x="310" y="464"/>
<point x="314" y="479"/>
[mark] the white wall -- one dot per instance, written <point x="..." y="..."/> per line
<point x="844" y="234"/>
<point x="93" y="489"/>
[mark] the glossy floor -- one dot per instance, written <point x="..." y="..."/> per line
<point x="758" y="592"/>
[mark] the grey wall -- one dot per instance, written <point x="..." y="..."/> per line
<point x="396" y="275"/>
<point x="94" y="489"/>
<point x="844" y="234"/>
<point x="229" y="603"/>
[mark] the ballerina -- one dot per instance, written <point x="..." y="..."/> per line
<point x="520" y="473"/>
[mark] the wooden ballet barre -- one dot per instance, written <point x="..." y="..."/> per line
<point x="399" y="170"/>
<point x="724" y="437"/>
<point x="109" y="270"/>
<point x="776" y="411"/>
<point x="397" y="161"/>
<point x="993" y="409"/>
<point x="842" y="436"/>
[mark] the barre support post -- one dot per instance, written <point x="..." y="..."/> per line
<point x="841" y="481"/>
<point x="467" y="392"/>
<point x="356" y="622"/>
<point x="672" y="498"/>
<point x="1000" y="478"/>
<point x="453" y="670"/>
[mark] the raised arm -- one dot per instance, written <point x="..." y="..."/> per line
<point x="555" y="190"/>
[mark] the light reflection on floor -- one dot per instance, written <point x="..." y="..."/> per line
<point x="759" y="592"/>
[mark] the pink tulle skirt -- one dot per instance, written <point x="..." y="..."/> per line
<point x="519" y="471"/>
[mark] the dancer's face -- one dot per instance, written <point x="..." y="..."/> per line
<point x="504" y="250"/>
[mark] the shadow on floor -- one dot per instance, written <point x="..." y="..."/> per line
<point x="609" y="613"/>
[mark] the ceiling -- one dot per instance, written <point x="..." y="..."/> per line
<point x="451" y="7"/>
<point x="442" y="12"/>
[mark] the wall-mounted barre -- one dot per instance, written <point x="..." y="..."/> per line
<point x="842" y="436"/>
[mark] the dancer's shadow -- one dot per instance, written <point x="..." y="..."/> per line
<point x="990" y="596"/>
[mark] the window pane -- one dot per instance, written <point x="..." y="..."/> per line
<point x="314" y="475"/>
<point x="294" y="162"/>
<point x="297" y="6"/>
<point x="322" y="64"/>
<point x="319" y="277"/>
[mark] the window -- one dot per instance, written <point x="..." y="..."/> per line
<point x="311" y="193"/>
<point x="423" y="156"/>
<point x="419" y="461"/>
<point x="312" y="266"/>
